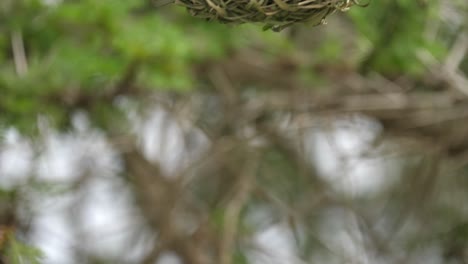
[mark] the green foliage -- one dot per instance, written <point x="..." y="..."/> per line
<point x="85" y="47"/>
<point x="396" y="31"/>
<point x="79" y="52"/>
<point x="20" y="253"/>
<point x="240" y="258"/>
<point x="279" y="174"/>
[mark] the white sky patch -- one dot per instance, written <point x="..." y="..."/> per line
<point x="59" y="160"/>
<point x="340" y="156"/>
<point x="52" y="231"/>
<point x="276" y="246"/>
<point x="108" y="219"/>
<point x="105" y="217"/>
<point x="100" y="219"/>
<point x="340" y="233"/>
<point x="169" y="258"/>
<point x="67" y="156"/>
<point x="165" y="142"/>
<point x="16" y="158"/>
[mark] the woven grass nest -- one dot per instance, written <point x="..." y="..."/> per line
<point x="274" y="14"/>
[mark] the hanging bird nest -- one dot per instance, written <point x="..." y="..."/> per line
<point x="274" y="14"/>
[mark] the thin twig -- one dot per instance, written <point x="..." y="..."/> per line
<point x="233" y="209"/>
<point x="19" y="53"/>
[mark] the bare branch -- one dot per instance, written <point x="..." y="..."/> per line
<point x="19" y="53"/>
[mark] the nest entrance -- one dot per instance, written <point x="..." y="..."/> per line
<point x="275" y="14"/>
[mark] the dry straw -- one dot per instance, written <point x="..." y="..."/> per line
<point x="275" y="14"/>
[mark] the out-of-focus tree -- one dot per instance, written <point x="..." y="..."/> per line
<point x="348" y="140"/>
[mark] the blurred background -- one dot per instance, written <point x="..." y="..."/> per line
<point x="131" y="132"/>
